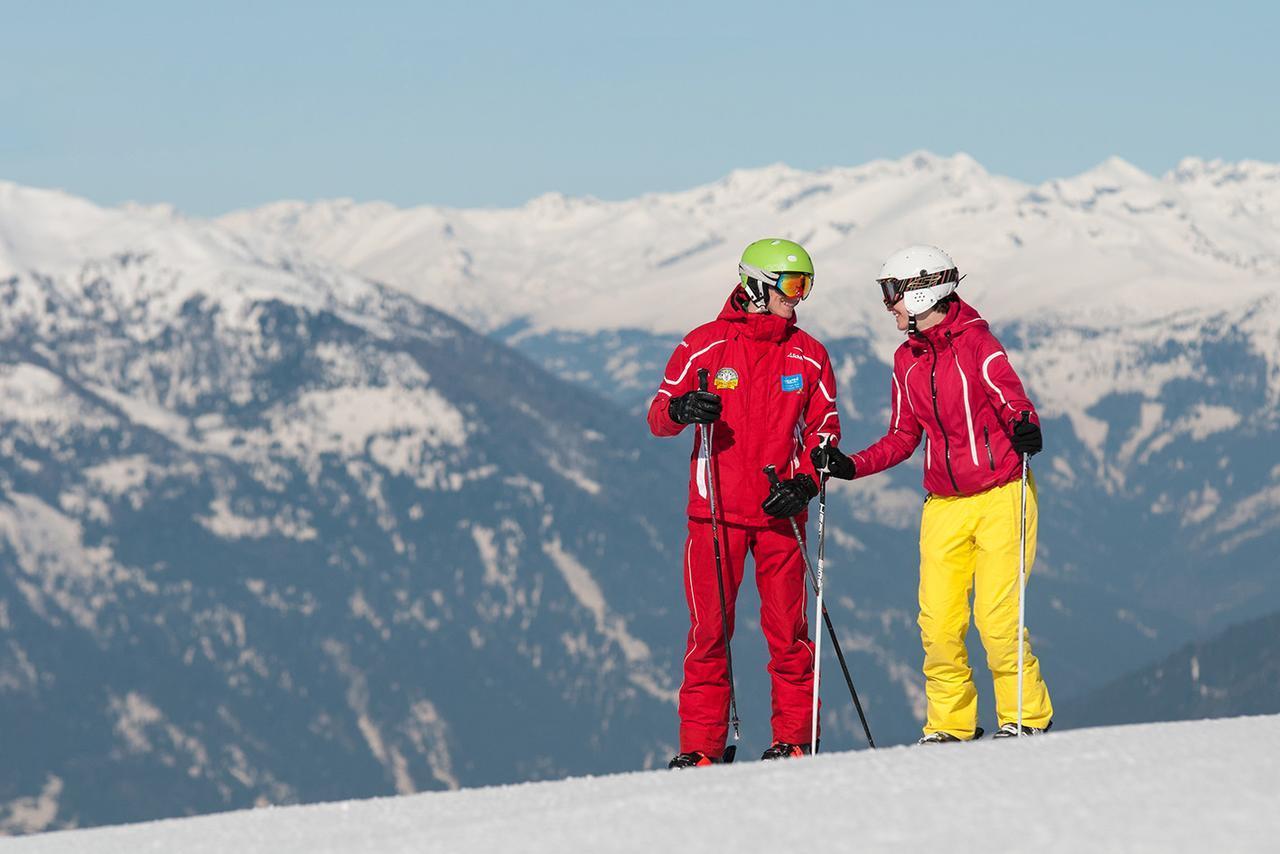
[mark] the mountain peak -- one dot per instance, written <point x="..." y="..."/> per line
<point x="1216" y="172"/>
<point x="557" y="204"/>
<point x="1115" y="171"/>
<point x="1111" y="176"/>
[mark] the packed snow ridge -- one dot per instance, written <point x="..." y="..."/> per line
<point x="1191" y="786"/>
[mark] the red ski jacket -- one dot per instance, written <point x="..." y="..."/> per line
<point x="954" y="385"/>
<point x="779" y="399"/>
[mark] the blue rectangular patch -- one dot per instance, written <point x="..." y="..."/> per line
<point x="792" y="382"/>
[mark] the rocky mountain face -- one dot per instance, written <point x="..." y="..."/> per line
<point x="273" y="534"/>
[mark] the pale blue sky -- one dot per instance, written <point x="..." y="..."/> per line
<point x="214" y="106"/>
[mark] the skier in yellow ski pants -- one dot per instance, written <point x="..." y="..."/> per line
<point x="954" y="389"/>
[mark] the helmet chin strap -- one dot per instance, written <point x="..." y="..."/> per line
<point x="757" y="283"/>
<point x="758" y="293"/>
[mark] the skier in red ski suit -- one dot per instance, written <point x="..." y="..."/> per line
<point x="772" y="402"/>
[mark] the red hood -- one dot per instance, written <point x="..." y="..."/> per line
<point x="762" y="327"/>
<point x="960" y="317"/>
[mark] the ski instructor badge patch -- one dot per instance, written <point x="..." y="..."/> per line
<point x="726" y="378"/>
<point x="792" y="382"/>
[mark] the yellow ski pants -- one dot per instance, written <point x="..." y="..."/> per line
<point x="969" y="546"/>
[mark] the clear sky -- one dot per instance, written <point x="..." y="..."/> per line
<point x="219" y="105"/>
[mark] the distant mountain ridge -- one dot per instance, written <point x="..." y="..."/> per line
<point x="1088" y="247"/>
<point x="1235" y="672"/>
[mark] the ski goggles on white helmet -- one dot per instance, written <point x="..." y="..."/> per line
<point x="894" y="289"/>
<point x="791" y="285"/>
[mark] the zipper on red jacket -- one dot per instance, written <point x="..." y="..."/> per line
<point x="986" y="438"/>
<point x="933" y="387"/>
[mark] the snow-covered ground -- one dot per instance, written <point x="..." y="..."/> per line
<point x="1195" y="786"/>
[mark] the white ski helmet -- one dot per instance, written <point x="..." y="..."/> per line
<point x="920" y="275"/>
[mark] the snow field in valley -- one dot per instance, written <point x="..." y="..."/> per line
<point x="1188" y="786"/>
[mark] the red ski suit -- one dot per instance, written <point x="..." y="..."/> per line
<point x="955" y="387"/>
<point x="778" y="392"/>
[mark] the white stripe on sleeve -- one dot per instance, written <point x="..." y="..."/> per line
<point x="677" y="380"/>
<point x="986" y="375"/>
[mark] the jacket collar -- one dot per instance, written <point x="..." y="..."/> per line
<point x="960" y="317"/>
<point x="760" y="327"/>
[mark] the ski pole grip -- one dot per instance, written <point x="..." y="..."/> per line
<point x="702" y="379"/>
<point x="772" y="474"/>
<point x="824" y="443"/>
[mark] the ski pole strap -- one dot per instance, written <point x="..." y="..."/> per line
<point x="702" y="379"/>
<point x="772" y="474"/>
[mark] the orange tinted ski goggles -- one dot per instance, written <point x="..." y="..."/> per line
<point x="794" y="285"/>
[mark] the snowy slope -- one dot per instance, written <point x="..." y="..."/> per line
<point x="1202" y="786"/>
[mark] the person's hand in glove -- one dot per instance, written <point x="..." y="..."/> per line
<point x="1026" y="436"/>
<point x="789" y="497"/>
<point x="696" y="407"/>
<point x="830" y="458"/>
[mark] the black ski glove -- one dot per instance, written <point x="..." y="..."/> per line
<point x="1026" y="437"/>
<point x="789" y="497"/>
<point x="696" y="407"/>
<point x="835" y="462"/>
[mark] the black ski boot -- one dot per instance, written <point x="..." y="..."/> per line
<point x="1010" y="730"/>
<point x="948" y="738"/>
<point x="692" y="759"/>
<point x="783" y="750"/>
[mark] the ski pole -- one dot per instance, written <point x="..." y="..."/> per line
<point x="731" y="750"/>
<point x="826" y="618"/>
<point x="1022" y="587"/>
<point x="817" y="636"/>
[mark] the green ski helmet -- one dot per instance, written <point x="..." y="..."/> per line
<point x="775" y="263"/>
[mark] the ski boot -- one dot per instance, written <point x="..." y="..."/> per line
<point x="692" y="759"/>
<point x="783" y="750"/>
<point x="1010" y="730"/>
<point x="948" y="738"/>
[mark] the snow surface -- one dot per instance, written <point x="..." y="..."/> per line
<point x="1190" y="786"/>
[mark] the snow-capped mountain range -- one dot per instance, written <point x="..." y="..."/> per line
<point x="1113" y="256"/>
<point x="274" y="526"/>
<point x="1112" y="246"/>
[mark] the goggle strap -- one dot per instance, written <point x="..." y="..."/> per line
<point x="893" y="289"/>
<point x="759" y="275"/>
